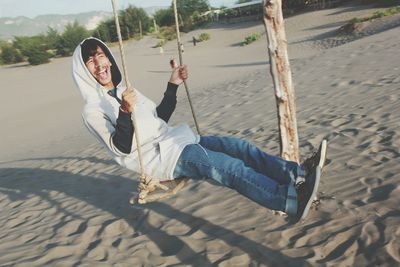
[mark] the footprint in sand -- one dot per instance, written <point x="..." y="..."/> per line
<point x="371" y="181"/>
<point x="393" y="248"/>
<point x="370" y="235"/>
<point x="339" y="122"/>
<point x="75" y="227"/>
<point x="380" y="193"/>
<point x="97" y="252"/>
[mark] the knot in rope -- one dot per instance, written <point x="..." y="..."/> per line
<point x="148" y="185"/>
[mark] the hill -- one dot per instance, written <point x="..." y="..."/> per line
<point x="24" y="26"/>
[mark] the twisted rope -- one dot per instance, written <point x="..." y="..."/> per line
<point x="147" y="184"/>
<point x="178" y="38"/>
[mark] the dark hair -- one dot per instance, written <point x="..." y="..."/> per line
<point x="89" y="48"/>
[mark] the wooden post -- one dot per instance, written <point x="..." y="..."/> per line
<point x="181" y="20"/>
<point x="155" y="26"/>
<point x="282" y="79"/>
<point x="127" y="33"/>
<point x="140" y="29"/>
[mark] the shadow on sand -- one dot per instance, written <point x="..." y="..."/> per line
<point x="110" y="193"/>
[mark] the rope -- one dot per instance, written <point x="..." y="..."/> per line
<point x="178" y="38"/>
<point x="147" y="184"/>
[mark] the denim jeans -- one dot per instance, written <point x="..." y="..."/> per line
<point x="237" y="164"/>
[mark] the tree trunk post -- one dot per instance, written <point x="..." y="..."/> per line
<point x="282" y="79"/>
<point x="155" y="26"/>
<point x="140" y="29"/>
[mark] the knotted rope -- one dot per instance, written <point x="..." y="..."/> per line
<point x="147" y="184"/>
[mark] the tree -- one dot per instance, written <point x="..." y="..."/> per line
<point x="132" y="18"/>
<point x="38" y="55"/>
<point x="34" y="48"/>
<point x="103" y="31"/>
<point x="165" y="17"/>
<point x="196" y="18"/>
<point x="188" y="7"/>
<point x="10" y="55"/>
<point x="70" y="38"/>
<point x="26" y="43"/>
<point x="282" y="79"/>
<point x="52" y="38"/>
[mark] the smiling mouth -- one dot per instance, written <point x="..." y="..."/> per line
<point x="103" y="74"/>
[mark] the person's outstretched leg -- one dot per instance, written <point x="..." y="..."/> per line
<point x="282" y="171"/>
<point x="198" y="162"/>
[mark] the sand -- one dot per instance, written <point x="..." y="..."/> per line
<point x="64" y="202"/>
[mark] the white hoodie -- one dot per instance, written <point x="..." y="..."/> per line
<point x="161" y="145"/>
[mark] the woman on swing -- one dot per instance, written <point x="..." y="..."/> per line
<point x="174" y="152"/>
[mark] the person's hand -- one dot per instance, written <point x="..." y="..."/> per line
<point x="128" y="100"/>
<point x="179" y="73"/>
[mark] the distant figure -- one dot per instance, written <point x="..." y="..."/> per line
<point x="181" y="46"/>
<point x="194" y="41"/>
<point x="161" y="50"/>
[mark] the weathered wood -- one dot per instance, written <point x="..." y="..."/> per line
<point x="155" y="26"/>
<point x="282" y="79"/>
<point x="140" y="29"/>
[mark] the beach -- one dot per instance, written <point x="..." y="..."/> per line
<point x="64" y="202"/>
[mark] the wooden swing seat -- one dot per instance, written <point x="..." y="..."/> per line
<point x="164" y="190"/>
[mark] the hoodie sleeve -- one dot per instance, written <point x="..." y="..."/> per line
<point x="122" y="137"/>
<point x="168" y="103"/>
<point x="124" y="130"/>
<point x="103" y="129"/>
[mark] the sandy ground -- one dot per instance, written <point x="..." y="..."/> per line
<point x="64" y="202"/>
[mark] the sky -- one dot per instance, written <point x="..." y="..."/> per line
<point x="32" y="8"/>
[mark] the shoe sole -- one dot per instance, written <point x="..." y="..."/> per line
<point x="322" y="153"/>
<point x="317" y="179"/>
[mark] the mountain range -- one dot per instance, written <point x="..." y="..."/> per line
<point x="24" y="26"/>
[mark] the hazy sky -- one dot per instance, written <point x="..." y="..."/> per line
<point x="32" y="8"/>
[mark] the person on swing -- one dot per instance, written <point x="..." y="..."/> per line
<point x="173" y="152"/>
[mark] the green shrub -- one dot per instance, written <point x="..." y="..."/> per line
<point x="196" y="19"/>
<point x="165" y="17"/>
<point x="386" y="12"/>
<point x="204" y="37"/>
<point x="167" y="33"/>
<point x="70" y="38"/>
<point x="356" y="20"/>
<point x="394" y="10"/>
<point x="251" y="38"/>
<point x="160" y="43"/>
<point x="378" y="14"/>
<point x="38" y="56"/>
<point x="10" y="55"/>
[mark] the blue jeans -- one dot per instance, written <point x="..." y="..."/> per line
<point x="237" y="164"/>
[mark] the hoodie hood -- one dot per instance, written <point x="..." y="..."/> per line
<point x="90" y="89"/>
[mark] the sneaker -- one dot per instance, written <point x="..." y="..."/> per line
<point x="317" y="159"/>
<point x="306" y="192"/>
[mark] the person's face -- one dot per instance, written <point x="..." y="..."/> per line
<point x="100" y="67"/>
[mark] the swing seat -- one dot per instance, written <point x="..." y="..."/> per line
<point x="163" y="190"/>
